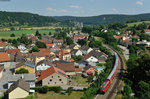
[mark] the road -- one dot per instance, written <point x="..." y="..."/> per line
<point x="116" y="83"/>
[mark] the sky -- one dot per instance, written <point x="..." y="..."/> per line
<point x="76" y="7"/>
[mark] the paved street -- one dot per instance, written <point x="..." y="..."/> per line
<point x="125" y="52"/>
<point x="74" y="87"/>
<point x="5" y="78"/>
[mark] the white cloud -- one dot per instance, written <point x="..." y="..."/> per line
<point x="139" y="3"/>
<point x="56" y="10"/>
<point x="114" y="10"/>
<point x="74" y="6"/>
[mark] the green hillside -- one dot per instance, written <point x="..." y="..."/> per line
<point x="25" y="19"/>
<point x="104" y="19"/>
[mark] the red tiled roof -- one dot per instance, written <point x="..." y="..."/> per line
<point x="63" y="52"/>
<point x="81" y="36"/>
<point x="3" y="44"/>
<point x="117" y="37"/>
<point x="49" y="72"/>
<point x="78" y="69"/>
<point x="4" y="57"/>
<point x="33" y="38"/>
<point x="71" y="60"/>
<point x="126" y="41"/>
<point x="49" y="45"/>
<point x="13" y="51"/>
<point x="135" y="37"/>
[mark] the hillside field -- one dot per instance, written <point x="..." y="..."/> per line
<point x="18" y="33"/>
<point x="137" y="23"/>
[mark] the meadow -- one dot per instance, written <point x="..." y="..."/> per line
<point x="137" y="23"/>
<point x="18" y="33"/>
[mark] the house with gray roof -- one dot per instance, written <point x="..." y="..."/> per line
<point x="29" y="78"/>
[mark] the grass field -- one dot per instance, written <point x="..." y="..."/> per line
<point x="80" y="81"/>
<point x="18" y="33"/>
<point x="137" y="23"/>
<point x="53" y="95"/>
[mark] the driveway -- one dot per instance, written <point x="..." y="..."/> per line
<point x="125" y="52"/>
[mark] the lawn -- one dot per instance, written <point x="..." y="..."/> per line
<point x="137" y="23"/>
<point x="53" y="95"/>
<point x="18" y="33"/>
<point x="79" y="80"/>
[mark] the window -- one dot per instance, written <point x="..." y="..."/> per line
<point x="62" y="82"/>
<point x="50" y="80"/>
<point x="59" y="79"/>
<point x="52" y="76"/>
<point x="55" y="82"/>
<point x="58" y="76"/>
<point x="48" y="83"/>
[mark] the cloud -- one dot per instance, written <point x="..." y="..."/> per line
<point x="114" y="10"/>
<point x="74" y="6"/>
<point x="56" y="10"/>
<point x="139" y="3"/>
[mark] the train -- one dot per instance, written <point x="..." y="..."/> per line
<point x="103" y="88"/>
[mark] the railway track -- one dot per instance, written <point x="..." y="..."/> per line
<point x="117" y="82"/>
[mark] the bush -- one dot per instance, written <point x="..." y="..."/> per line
<point x="40" y="89"/>
<point x="30" y="97"/>
<point x="22" y="71"/>
<point x="12" y="35"/>
<point x="56" y="89"/>
<point x="44" y="89"/>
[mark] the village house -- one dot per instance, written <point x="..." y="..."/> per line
<point x="67" y="67"/>
<point x="95" y="57"/>
<point x="52" y="77"/>
<point x="91" y="71"/>
<point x="43" y="65"/>
<point x="5" y="59"/>
<point x="85" y="50"/>
<point x="77" y="37"/>
<point x="147" y="31"/>
<point x="26" y="65"/>
<point x="3" y="46"/>
<point x="29" y="78"/>
<point x="18" y="90"/>
<point x="64" y="55"/>
<point x="57" y="42"/>
<point x="76" y="52"/>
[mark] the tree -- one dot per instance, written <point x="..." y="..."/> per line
<point x="22" y="71"/>
<point x="69" y="40"/>
<point x="12" y="28"/>
<point x="25" y="40"/>
<point x="90" y="79"/>
<point x="143" y="90"/>
<point x="37" y="33"/>
<point x="12" y="35"/>
<point x="69" y="90"/>
<point x="50" y="33"/>
<point x="82" y="42"/>
<point x="127" y="90"/>
<point x="40" y="44"/>
<point x="34" y="49"/>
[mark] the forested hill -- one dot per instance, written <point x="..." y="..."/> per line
<point x="104" y="19"/>
<point x="24" y="19"/>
